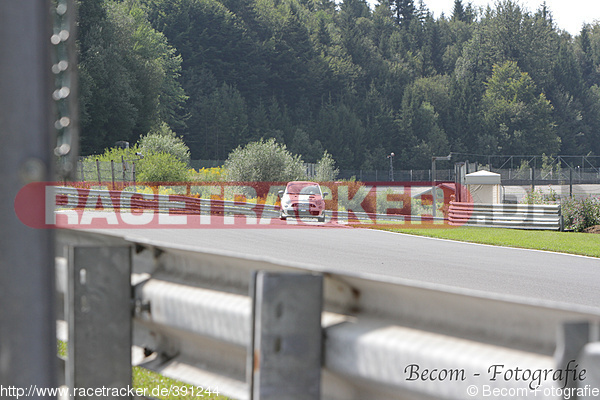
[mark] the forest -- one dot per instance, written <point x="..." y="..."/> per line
<point x="357" y="81"/>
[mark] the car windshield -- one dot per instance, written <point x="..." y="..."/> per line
<point x="303" y="189"/>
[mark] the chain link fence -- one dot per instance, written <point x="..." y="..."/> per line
<point x="125" y="171"/>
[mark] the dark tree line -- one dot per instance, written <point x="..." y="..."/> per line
<point x="355" y="81"/>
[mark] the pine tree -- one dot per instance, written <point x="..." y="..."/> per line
<point x="458" y="13"/>
<point x="587" y="64"/>
<point x="404" y="11"/>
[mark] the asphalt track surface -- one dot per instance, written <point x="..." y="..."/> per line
<point x="487" y="270"/>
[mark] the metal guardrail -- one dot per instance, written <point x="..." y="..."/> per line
<point x="258" y="329"/>
<point x="68" y="196"/>
<point x="72" y="197"/>
<point x="521" y="216"/>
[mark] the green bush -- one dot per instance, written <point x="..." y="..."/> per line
<point x="164" y="140"/>
<point x="115" y="154"/>
<point x="151" y="167"/>
<point x="539" y="197"/>
<point x="161" y="167"/>
<point x="581" y="213"/>
<point x="263" y="161"/>
<point x="325" y="169"/>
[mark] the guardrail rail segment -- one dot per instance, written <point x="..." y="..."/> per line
<point x="78" y="198"/>
<point x="517" y="216"/>
<point x="520" y="216"/>
<point x="259" y="329"/>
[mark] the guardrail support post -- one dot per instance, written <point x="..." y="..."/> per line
<point x="590" y="361"/>
<point x="284" y="362"/>
<point x="572" y="339"/>
<point x="99" y="314"/>
<point x="27" y="317"/>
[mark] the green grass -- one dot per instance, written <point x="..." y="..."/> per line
<point x="155" y="383"/>
<point x="585" y="244"/>
<point x="61" y="348"/>
<point x="143" y="378"/>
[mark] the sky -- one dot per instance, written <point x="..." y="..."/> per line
<point x="568" y="14"/>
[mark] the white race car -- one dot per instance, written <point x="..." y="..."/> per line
<point x="302" y="198"/>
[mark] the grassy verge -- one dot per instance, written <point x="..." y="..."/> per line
<point x="584" y="244"/>
<point x="155" y="383"/>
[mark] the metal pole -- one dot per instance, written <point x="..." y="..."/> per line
<point x="27" y="315"/>
<point x="433" y="188"/>
<point x="112" y="173"/>
<point x="124" y="169"/>
<point x="570" y="182"/>
<point x="133" y="172"/>
<point x="98" y="170"/>
<point x="457" y="182"/>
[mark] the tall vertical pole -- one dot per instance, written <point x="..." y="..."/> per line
<point x="570" y="182"/>
<point x="124" y="170"/>
<point x="112" y="173"/>
<point x="27" y="311"/>
<point x="433" y="187"/>
<point x="391" y="157"/>
<point x="98" y="171"/>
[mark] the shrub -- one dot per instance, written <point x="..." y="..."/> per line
<point x="164" y="140"/>
<point x="153" y="166"/>
<point x="213" y="174"/>
<point x="539" y="197"/>
<point x="161" y="167"/>
<point x="115" y="154"/>
<point x="325" y="169"/>
<point x="88" y="169"/>
<point x="263" y="161"/>
<point x="581" y="213"/>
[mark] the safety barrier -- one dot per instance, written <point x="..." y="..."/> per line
<point x="68" y="196"/>
<point x="520" y="216"/>
<point x="179" y="204"/>
<point x="259" y="329"/>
